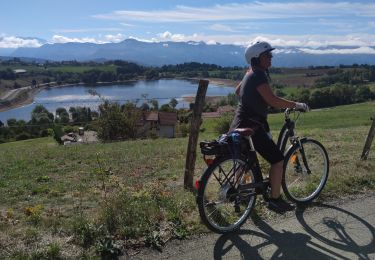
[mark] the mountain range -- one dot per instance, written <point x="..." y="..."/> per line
<point x="164" y="53"/>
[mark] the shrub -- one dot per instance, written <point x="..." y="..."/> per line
<point x="182" y="130"/>
<point x="85" y="232"/>
<point x="223" y="124"/>
<point x="23" y="136"/>
<point x="57" y="134"/>
<point x="70" y="129"/>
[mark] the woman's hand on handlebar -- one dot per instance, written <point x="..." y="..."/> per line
<point x="303" y="107"/>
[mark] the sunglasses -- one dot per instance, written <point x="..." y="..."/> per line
<point x="267" y="54"/>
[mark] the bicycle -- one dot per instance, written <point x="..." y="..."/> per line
<point x="228" y="188"/>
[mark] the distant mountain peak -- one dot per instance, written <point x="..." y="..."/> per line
<point x="169" y="52"/>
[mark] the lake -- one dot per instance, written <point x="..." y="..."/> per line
<point x="162" y="90"/>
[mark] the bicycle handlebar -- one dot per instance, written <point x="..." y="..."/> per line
<point x="289" y="110"/>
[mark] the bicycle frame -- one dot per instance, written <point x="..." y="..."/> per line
<point x="261" y="184"/>
<point x="287" y="132"/>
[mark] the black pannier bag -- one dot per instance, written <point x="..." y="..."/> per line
<point x="227" y="144"/>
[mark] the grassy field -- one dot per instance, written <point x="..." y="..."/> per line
<point x="36" y="72"/>
<point x="81" y="69"/>
<point x="86" y="200"/>
<point x="61" y="68"/>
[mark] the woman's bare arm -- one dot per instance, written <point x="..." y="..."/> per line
<point x="238" y="89"/>
<point x="271" y="99"/>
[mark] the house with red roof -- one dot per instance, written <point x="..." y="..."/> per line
<point x="162" y="124"/>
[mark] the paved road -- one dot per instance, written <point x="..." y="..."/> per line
<point x="329" y="231"/>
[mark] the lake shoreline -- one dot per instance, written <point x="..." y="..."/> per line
<point x="29" y="98"/>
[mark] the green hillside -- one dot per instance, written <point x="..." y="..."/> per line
<point x="65" y="199"/>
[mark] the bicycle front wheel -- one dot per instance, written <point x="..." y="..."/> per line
<point x="223" y="207"/>
<point x="306" y="169"/>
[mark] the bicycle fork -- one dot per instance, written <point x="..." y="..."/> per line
<point x="305" y="163"/>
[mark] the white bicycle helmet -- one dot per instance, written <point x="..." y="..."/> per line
<point x="255" y="49"/>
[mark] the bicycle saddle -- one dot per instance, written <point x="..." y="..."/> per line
<point x="244" y="131"/>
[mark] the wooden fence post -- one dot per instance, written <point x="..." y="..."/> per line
<point x="370" y="137"/>
<point x="196" y="121"/>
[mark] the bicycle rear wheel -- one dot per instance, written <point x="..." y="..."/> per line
<point x="303" y="180"/>
<point x="222" y="207"/>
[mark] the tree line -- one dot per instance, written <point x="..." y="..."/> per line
<point x="341" y="86"/>
<point x="112" y="120"/>
<point x="109" y="71"/>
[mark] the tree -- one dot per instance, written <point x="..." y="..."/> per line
<point x="81" y="114"/>
<point x="363" y="93"/>
<point x="145" y="107"/>
<point x="173" y="103"/>
<point x="57" y="134"/>
<point x="155" y="104"/>
<point x="62" y="116"/>
<point x="1" y="124"/>
<point x="40" y="115"/>
<point x="60" y="111"/>
<point x="116" y="122"/>
<point x="12" y="122"/>
<point x="320" y="98"/>
<point x="33" y="83"/>
<point x="151" y="74"/>
<point x="166" y="108"/>
<point x="303" y="95"/>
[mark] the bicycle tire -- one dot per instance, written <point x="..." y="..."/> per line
<point x="222" y="211"/>
<point x="300" y="185"/>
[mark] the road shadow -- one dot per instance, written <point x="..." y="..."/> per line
<point x="345" y="230"/>
<point x="249" y="244"/>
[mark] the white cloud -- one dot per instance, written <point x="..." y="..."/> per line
<point x="168" y="36"/>
<point x="255" y="10"/>
<point x="115" y="38"/>
<point x="316" y="41"/>
<point x="127" y="24"/>
<point x="63" y="39"/>
<point x="211" y="42"/>
<point x="101" y="40"/>
<point x="308" y="41"/>
<point x="143" y="40"/>
<point x="360" y="50"/>
<point x="17" y="42"/>
<point x="165" y="35"/>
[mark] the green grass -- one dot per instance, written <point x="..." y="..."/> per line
<point x="62" y="68"/>
<point x="372" y="86"/>
<point x="51" y="193"/>
<point x="81" y="69"/>
<point x="349" y="116"/>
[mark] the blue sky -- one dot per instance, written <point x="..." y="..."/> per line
<point x="305" y="24"/>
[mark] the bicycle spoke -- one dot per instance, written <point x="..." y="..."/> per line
<point x="299" y="183"/>
<point x="222" y="210"/>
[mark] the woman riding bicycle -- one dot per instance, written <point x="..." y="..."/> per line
<point x="255" y="97"/>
